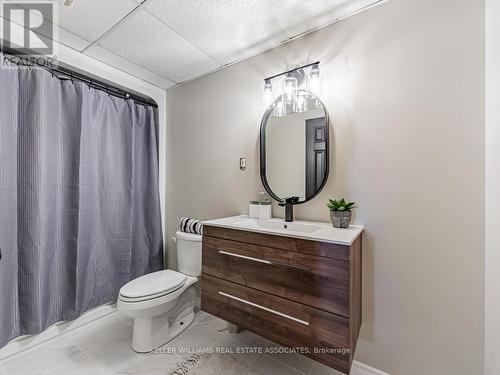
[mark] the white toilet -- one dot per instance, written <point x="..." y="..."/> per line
<point x="162" y="303"/>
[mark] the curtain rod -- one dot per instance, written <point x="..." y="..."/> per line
<point x="68" y="74"/>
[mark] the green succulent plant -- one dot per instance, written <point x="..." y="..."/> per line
<point x="340" y="205"/>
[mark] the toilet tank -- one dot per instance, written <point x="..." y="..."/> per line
<point x="188" y="253"/>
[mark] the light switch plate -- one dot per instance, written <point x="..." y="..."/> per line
<point x="243" y="163"/>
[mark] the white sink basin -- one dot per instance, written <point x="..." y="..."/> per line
<point x="309" y="230"/>
<point x="277" y="225"/>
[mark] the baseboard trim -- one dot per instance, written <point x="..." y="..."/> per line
<point x="359" y="368"/>
<point x="23" y="343"/>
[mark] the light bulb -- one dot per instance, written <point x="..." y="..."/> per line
<point x="300" y="104"/>
<point x="314" y="81"/>
<point x="280" y="108"/>
<point x="289" y="89"/>
<point x="267" y="95"/>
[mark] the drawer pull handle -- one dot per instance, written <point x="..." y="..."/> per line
<point x="263" y="261"/>
<point x="244" y="257"/>
<point x="265" y="308"/>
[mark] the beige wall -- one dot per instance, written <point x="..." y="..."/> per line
<point x="492" y="280"/>
<point x="404" y="85"/>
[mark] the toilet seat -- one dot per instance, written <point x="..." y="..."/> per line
<point x="151" y="286"/>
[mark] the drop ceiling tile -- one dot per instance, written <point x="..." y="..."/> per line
<point x="90" y="19"/>
<point x="86" y="20"/>
<point x="71" y="40"/>
<point x="116" y="61"/>
<point x="227" y="30"/>
<point x="146" y="41"/>
<point x="65" y="37"/>
<point x="298" y="17"/>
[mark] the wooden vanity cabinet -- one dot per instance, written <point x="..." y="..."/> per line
<point x="299" y="293"/>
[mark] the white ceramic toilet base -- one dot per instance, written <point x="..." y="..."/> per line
<point x="151" y="333"/>
<point x="162" y="303"/>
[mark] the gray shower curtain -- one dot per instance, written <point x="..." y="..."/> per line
<point x="79" y="199"/>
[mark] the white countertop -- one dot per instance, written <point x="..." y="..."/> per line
<point x="308" y="230"/>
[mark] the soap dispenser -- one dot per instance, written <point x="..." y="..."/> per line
<point x="254" y="209"/>
<point x="264" y="207"/>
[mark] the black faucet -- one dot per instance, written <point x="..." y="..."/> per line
<point x="288" y="204"/>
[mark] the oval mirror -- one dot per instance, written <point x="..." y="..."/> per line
<point x="294" y="147"/>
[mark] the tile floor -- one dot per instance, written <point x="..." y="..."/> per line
<point x="103" y="348"/>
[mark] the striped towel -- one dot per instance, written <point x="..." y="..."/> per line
<point x="190" y="225"/>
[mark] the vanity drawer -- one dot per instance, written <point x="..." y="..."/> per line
<point x="315" y="281"/>
<point x="325" y="335"/>
<point x="323" y="249"/>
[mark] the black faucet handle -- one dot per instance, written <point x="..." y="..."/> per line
<point x="289" y="200"/>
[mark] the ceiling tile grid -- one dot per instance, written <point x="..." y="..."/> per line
<point x="90" y="20"/>
<point x="148" y="42"/>
<point x="102" y="54"/>
<point x="224" y="29"/>
<point x="167" y="42"/>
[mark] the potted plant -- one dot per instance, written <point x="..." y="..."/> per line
<point x="340" y="212"/>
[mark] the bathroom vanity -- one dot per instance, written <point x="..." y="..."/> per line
<point x="298" y="284"/>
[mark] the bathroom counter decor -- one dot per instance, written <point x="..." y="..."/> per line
<point x="340" y="212"/>
<point x="299" y="286"/>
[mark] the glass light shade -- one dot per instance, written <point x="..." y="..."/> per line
<point x="279" y="109"/>
<point x="314" y="81"/>
<point x="290" y="89"/>
<point x="300" y="104"/>
<point x="267" y="95"/>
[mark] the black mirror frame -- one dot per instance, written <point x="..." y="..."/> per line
<point x="263" y="177"/>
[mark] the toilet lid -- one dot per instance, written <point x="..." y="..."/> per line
<point x="161" y="282"/>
